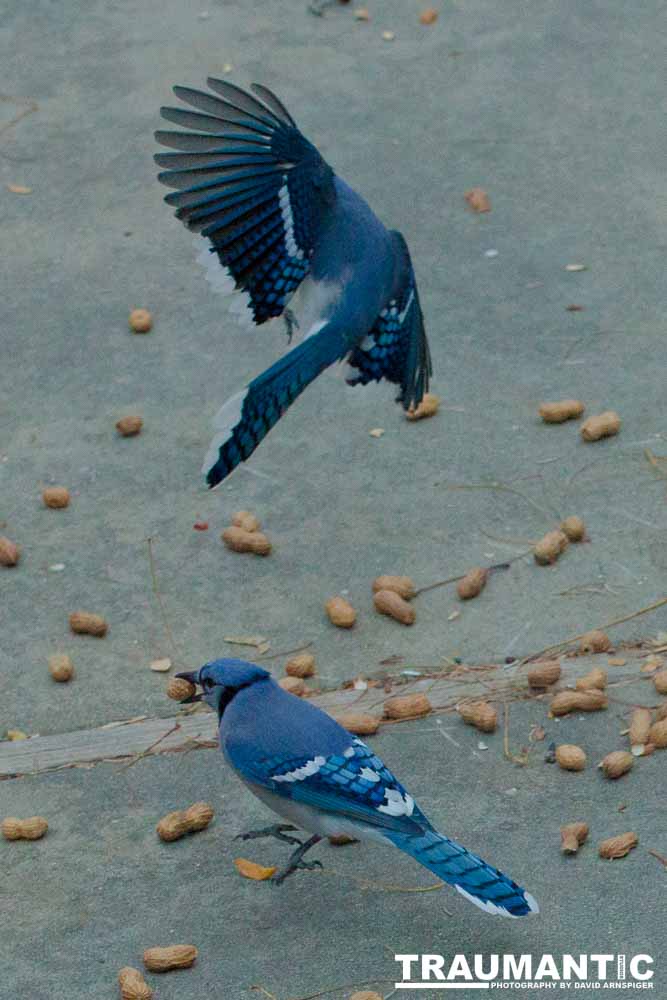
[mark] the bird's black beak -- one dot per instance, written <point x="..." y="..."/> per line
<point x="192" y="677"/>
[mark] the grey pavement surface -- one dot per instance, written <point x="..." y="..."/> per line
<point x="558" y="111"/>
<point x="101" y="887"/>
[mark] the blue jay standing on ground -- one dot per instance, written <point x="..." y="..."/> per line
<point x="308" y="769"/>
<point x="291" y="236"/>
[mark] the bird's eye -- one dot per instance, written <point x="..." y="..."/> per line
<point x="207" y="684"/>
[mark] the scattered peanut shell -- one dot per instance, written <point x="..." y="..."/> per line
<point x="478" y="200"/>
<point x="661" y="712"/>
<point x="563" y="409"/>
<point x="472" y="584"/>
<point x="362" y="14"/>
<point x="572" y="836"/>
<point x="10" y="552"/>
<point x="340" y="612"/>
<point x="570" y="757"/>
<point x="174" y="956"/>
<point x="640" y="724"/>
<point x="388" y="36"/>
<point x="430" y="16"/>
<point x="596" y="641"/>
<point x="294" y="685"/>
<point x="32" y="828"/>
<point x="87" y="623"/>
<point x="388" y="602"/>
<point x="161" y="666"/>
<point x="578" y="701"/>
<point x="544" y="673"/>
<point x="177" y="824"/>
<point x="15" y="735"/>
<point x="61" y="667"/>
<point x="140" y="320"/>
<point x="618" y="847"/>
<point x="129" y="426"/>
<point x="178" y="689"/>
<point x="574" y="528"/>
<point x="244" y="519"/>
<point x="657" y="734"/>
<point x="550" y="547"/>
<point x="366" y="995"/>
<point x="603" y="425"/>
<point x="427" y="408"/>
<point x="239" y="540"/>
<point x="616" y="763"/>
<point x="132" y="984"/>
<point x="596" y="678"/>
<point x="406" y="706"/>
<point x="359" y="723"/>
<point x="341" y="839"/>
<point x="56" y="496"/>
<point x="302" y="665"/>
<point x="402" y="585"/>
<point x="479" y="714"/>
<point x="660" y="681"/>
<point x="258" y="873"/>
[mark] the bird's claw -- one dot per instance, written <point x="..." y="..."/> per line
<point x="291" y="323"/>
<point x="277" y="831"/>
<point x="280" y="876"/>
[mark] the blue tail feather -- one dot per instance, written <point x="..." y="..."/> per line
<point x="249" y="416"/>
<point x="483" y="885"/>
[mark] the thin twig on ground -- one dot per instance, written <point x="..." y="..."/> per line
<point x="521" y="759"/>
<point x="654" y="462"/>
<point x="29" y="107"/>
<point x="454" y="579"/>
<point x="504" y="488"/>
<point x="287" y="652"/>
<point x="575" y="638"/>
<point x="158" y="597"/>
<point x="148" y="751"/>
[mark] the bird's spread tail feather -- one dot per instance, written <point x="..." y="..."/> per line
<point x="247" y="417"/>
<point x="483" y="885"/>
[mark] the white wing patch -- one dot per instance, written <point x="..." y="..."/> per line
<point x="300" y="773"/>
<point x="288" y="221"/>
<point x="228" y="416"/>
<point x="397" y="803"/>
<point x="489" y="907"/>
<point x="369" y="774"/>
<point x="223" y="283"/>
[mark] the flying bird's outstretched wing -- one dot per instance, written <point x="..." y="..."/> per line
<point x="249" y="181"/>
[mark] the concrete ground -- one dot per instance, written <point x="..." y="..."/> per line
<point x="558" y="111"/>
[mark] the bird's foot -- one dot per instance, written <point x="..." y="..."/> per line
<point x="296" y="861"/>
<point x="291" y="323"/>
<point x="277" y="831"/>
<point x="289" y="869"/>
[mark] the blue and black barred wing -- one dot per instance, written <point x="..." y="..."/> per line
<point x="355" y="784"/>
<point x="396" y="348"/>
<point x="249" y="181"/>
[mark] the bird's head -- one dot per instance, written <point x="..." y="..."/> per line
<point x="221" y="680"/>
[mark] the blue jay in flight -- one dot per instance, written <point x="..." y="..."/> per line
<point x="291" y="239"/>
<point x="304" y="766"/>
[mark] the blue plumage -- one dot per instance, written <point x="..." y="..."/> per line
<point x="297" y="242"/>
<point x="311" y="771"/>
